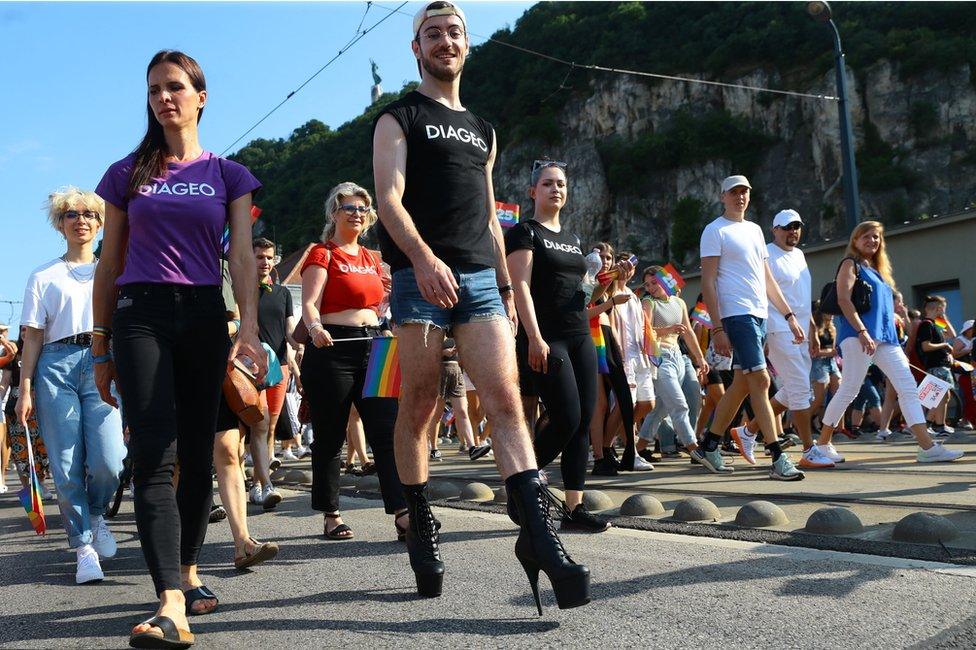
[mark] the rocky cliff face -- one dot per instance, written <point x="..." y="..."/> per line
<point x="926" y="127"/>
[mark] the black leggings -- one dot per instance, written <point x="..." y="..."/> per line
<point x="333" y="381"/>
<point x="621" y="389"/>
<point x="569" y="394"/>
<point x="170" y="345"/>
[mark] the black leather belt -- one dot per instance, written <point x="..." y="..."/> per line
<point x="83" y="339"/>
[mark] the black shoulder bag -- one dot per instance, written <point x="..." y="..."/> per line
<point x="860" y="293"/>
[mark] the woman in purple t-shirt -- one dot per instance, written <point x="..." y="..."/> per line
<point x="157" y="299"/>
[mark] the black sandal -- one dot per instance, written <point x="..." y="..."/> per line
<point x="172" y="637"/>
<point x="199" y="593"/>
<point x="266" y="551"/>
<point x="340" y="532"/>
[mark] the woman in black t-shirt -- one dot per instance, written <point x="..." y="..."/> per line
<point x="547" y="266"/>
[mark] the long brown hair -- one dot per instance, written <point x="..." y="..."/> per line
<point x="880" y="261"/>
<point x="151" y="153"/>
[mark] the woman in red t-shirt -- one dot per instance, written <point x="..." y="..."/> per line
<point x="342" y="290"/>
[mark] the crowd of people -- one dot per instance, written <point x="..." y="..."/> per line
<point x="526" y="343"/>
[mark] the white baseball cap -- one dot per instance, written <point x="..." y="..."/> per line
<point x="967" y="325"/>
<point x="735" y="181"/>
<point x="438" y="8"/>
<point x="784" y="218"/>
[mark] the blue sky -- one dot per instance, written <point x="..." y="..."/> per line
<point x="74" y="88"/>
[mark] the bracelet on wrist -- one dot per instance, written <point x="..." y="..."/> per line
<point x="789" y="315"/>
<point x="506" y="288"/>
<point x="862" y="331"/>
<point x="315" y="325"/>
<point x="102" y="358"/>
<point x="716" y="330"/>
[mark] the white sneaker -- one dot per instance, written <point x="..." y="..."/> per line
<point x="102" y="539"/>
<point x="640" y="465"/>
<point x="746" y="442"/>
<point x="813" y="458"/>
<point x="288" y="454"/>
<point x="3" y="488"/>
<point x="89" y="569"/>
<point x="882" y="435"/>
<point x="256" y="495"/>
<point x="830" y="452"/>
<point x="937" y="453"/>
<point x="270" y="498"/>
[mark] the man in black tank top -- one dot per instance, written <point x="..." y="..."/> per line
<point x="432" y="166"/>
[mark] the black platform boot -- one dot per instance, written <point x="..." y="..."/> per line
<point x="538" y="547"/>
<point x="422" y="540"/>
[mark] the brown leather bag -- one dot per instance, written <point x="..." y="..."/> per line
<point x="242" y="395"/>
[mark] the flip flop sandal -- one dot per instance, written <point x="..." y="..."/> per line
<point x="340" y="532"/>
<point x="266" y="551"/>
<point x="199" y="593"/>
<point x="171" y="637"/>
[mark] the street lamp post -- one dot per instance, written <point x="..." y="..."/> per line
<point x="819" y="10"/>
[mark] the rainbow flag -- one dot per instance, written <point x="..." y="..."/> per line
<point x="700" y="315"/>
<point x="507" y="213"/>
<point x="596" y="333"/>
<point x="383" y="369"/>
<point x="30" y="496"/>
<point x="651" y="347"/>
<point x="669" y="279"/>
<point x="225" y="238"/>
<point x="941" y="323"/>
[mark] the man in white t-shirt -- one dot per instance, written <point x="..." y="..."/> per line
<point x="792" y="361"/>
<point x="737" y="285"/>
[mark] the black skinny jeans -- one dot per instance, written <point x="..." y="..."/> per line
<point x="621" y="390"/>
<point x="333" y="381"/>
<point x="569" y="394"/>
<point x="170" y="345"/>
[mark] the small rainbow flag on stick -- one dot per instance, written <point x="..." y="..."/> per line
<point x="383" y="369"/>
<point x="669" y="279"/>
<point x="941" y="323"/>
<point x="700" y="315"/>
<point x="596" y="333"/>
<point x="30" y="496"/>
<point x="508" y="213"/>
<point x="225" y="237"/>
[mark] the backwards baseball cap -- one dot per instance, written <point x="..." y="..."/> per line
<point x="968" y="324"/>
<point x="438" y="8"/>
<point x="735" y="181"/>
<point x="784" y="218"/>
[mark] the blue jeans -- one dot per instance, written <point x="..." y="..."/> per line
<point x="678" y="401"/>
<point x="747" y="334"/>
<point x="478" y="299"/>
<point x="83" y="436"/>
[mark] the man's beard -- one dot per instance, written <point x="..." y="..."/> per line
<point x="442" y="74"/>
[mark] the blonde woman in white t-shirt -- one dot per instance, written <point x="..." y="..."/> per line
<point x="83" y="434"/>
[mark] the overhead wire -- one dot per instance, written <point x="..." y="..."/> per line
<point x="359" y="35"/>
<point x="639" y="73"/>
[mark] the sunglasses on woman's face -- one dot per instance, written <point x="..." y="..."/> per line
<point x="353" y="209"/>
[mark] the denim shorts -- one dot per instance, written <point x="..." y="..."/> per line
<point x="747" y="334"/>
<point x="822" y="368"/>
<point x="478" y="299"/>
<point x="943" y="373"/>
<point x="868" y="397"/>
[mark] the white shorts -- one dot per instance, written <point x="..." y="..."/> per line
<point x="792" y="364"/>
<point x="641" y="382"/>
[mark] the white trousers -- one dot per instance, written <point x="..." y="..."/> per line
<point x="891" y="360"/>
<point x="792" y="364"/>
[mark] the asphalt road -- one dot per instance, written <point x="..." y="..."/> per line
<point x="649" y="588"/>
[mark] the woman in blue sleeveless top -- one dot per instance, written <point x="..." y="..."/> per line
<point x="871" y="337"/>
